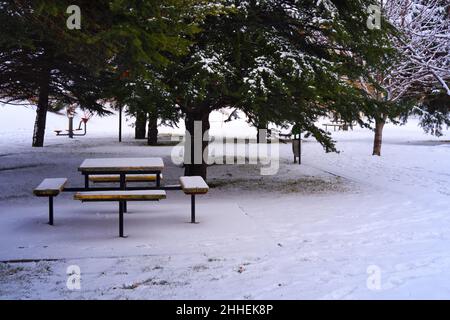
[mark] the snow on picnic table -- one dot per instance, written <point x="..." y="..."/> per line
<point x="311" y="231"/>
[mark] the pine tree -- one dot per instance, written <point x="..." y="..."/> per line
<point x="434" y="112"/>
<point x="285" y="62"/>
<point x="43" y="62"/>
<point x="142" y="89"/>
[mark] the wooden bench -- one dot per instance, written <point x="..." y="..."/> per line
<point x="50" y="188"/>
<point x="128" y="178"/>
<point x="121" y="197"/>
<point x="193" y="186"/>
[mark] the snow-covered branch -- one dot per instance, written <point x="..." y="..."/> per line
<point x="423" y="45"/>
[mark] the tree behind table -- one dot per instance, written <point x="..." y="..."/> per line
<point x="137" y="84"/>
<point x="45" y="63"/>
<point x="281" y="61"/>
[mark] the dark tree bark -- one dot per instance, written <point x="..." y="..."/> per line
<point x="379" y="125"/>
<point x="195" y="162"/>
<point x="260" y="136"/>
<point x="42" y="108"/>
<point x="120" y="122"/>
<point x="152" y="138"/>
<point x="140" y="125"/>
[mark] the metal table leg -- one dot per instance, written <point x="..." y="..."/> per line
<point x="121" y="210"/>
<point x="50" y="211"/>
<point x="86" y="181"/>
<point x="158" y="179"/>
<point x="193" y="208"/>
<point x="123" y="186"/>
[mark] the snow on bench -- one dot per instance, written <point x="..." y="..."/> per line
<point x="128" y="178"/>
<point x="50" y="187"/>
<point x="114" y="165"/>
<point x="193" y="185"/>
<point x="138" y="195"/>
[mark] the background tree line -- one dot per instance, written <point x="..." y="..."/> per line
<point x="282" y="62"/>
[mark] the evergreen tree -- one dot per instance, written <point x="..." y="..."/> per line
<point x="434" y="112"/>
<point x="43" y="62"/>
<point x="280" y="61"/>
<point x="140" y="85"/>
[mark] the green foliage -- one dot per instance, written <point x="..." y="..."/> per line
<point x="287" y="62"/>
<point x="434" y="113"/>
<point x="87" y="65"/>
<point x="167" y="36"/>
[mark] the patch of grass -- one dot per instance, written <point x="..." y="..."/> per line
<point x="199" y="268"/>
<point x="148" y="282"/>
<point x="306" y="185"/>
<point x="7" y="270"/>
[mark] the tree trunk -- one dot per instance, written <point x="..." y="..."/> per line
<point x="120" y="122"/>
<point x="195" y="148"/>
<point x="42" y="108"/>
<point x="261" y="135"/>
<point x="379" y="125"/>
<point x="152" y="138"/>
<point x="140" y="125"/>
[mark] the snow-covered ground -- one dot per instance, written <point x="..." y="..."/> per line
<point x="311" y="231"/>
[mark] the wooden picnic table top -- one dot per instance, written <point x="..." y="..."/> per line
<point x="122" y="165"/>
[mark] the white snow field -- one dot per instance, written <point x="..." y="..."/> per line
<point x="340" y="226"/>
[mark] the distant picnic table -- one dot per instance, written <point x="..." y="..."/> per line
<point x="340" y="125"/>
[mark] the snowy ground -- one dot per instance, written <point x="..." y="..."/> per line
<point x="311" y="231"/>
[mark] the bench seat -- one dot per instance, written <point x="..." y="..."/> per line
<point x="128" y="178"/>
<point x="139" y="195"/>
<point x="50" y="187"/>
<point x="194" y="185"/>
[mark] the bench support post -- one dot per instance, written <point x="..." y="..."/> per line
<point x="192" y="208"/>
<point x="158" y="179"/>
<point x="123" y="186"/>
<point x="86" y="181"/>
<point x="121" y="209"/>
<point x="50" y="210"/>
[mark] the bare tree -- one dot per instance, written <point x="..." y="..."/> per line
<point x="423" y="44"/>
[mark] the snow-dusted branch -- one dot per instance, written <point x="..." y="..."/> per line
<point x="423" y="44"/>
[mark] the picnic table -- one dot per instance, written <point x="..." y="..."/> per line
<point x="340" y="125"/>
<point x="121" y="167"/>
<point x="121" y="170"/>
